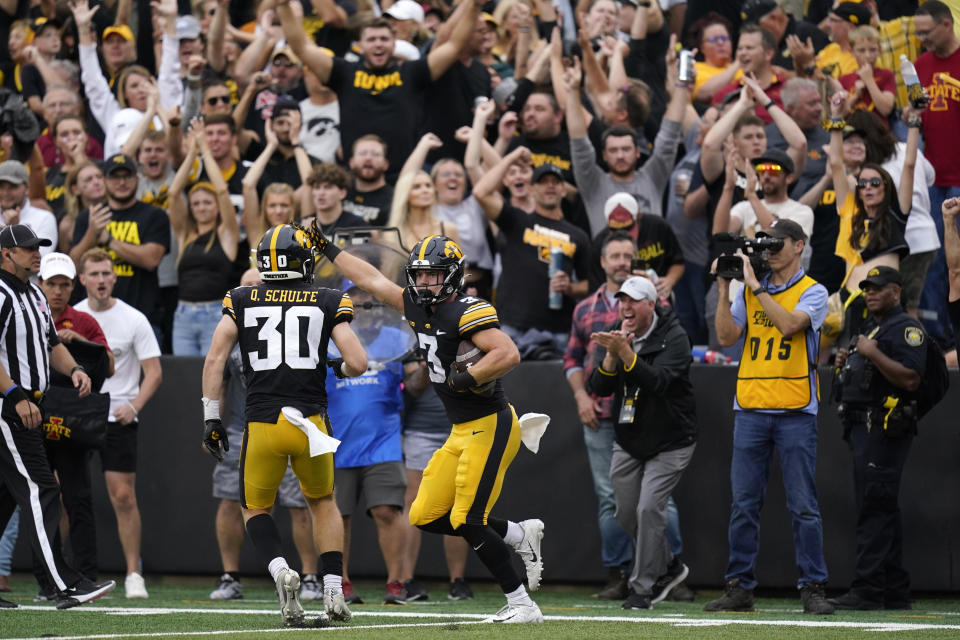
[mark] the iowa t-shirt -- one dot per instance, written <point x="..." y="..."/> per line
<point x="387" y="102"/>
<point x="138" y="224"/>
<point x="522" y="294"/>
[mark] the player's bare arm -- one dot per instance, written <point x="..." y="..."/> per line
<point x="354" y="356"/>
<point x="500" y="355"/>
<point x="224" y="338"/>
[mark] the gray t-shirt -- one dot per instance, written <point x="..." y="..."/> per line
<point x="648" y="183"/>
<point x="691" y="233"/>
<point x="471" y="224"/>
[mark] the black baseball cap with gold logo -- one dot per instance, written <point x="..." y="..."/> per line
<point x="882" y="276"/>
<point x="118" y="161"/>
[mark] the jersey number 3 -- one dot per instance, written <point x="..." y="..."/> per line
<point x="287" y="338"/>
<point x="434" y="366"/>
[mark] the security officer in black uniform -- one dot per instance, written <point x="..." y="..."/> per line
<point x="876" y="380"/>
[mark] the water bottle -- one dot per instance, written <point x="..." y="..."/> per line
<point x="556" y="266"/>
<point x="915" y="92"/>
<point x="708" y="356"/>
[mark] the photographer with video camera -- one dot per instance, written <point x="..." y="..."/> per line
<point x="775" y="409"/>
<point x="877" y="375"/>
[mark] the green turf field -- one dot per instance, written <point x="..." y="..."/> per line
<point x="179" y="608"/>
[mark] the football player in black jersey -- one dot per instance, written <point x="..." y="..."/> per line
<point x="464" y="477"/>
<point x="283" y="327"/>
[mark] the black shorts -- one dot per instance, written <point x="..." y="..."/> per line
<point x="119" y="452"/>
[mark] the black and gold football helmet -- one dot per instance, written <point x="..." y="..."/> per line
<point x="435" y="253"/>
<point x="285" y="252"/>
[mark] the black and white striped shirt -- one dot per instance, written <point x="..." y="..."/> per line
<point x="27" y="333"/>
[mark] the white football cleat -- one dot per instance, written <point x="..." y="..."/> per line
<point x="288" y="591"/>
<point x="334" y="605"/>
<point x="529" y="550"/>
<point x="517" y="614"/>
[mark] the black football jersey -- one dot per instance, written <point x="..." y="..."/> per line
<point x="439" y="334"/>
<point x="283" y="333"/>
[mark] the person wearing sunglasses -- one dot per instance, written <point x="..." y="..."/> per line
<point x="773" y="171"/>
<point x="873" y="210"/>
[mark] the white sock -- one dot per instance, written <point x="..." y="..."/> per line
<point x="277" y="565"/>
<point x="514" y="534"/>
<point x="331" y="581"/>
<point x="519" y="596"/>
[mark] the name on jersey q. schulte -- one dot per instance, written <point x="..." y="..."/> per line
<point x="283" y="295"/>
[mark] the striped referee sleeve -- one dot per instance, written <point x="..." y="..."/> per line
<point x="26" y="337"/>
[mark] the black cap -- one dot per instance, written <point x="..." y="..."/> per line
<point x="546" y="169"/>
<point x="775" y="156"/>
<point x="853" y="12"/>
<point x="753" y="10"/>
<point x="118" y="161"/>
<point x="882" y="276"/>
<point x="853" y="131"/>
<point x="784" y="228"/>
<point x="20" y="235"/>
<point x="41" y="23"/>
<point x="283" y="105"/>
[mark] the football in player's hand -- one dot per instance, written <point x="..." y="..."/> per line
<point x="468" y="354"/>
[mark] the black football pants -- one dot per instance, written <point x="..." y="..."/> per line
<point x="26" y="480"/>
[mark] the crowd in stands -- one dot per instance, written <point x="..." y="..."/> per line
<point x="172" y="134"/>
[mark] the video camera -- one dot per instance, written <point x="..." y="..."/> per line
<point x="17" y="120"/>
<point x="730" y="266"/>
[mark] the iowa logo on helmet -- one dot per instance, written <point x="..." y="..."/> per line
<point x="302" y="239"/>
<point x="451" y="250"/>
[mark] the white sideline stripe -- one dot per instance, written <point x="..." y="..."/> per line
<point x="467" y="618"/>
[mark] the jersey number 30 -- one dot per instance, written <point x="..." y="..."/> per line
<point x="296" y="343"/>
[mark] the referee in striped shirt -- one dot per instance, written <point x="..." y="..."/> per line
<point x="28" y="347"/>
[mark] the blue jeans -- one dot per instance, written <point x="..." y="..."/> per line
<point x="616" y="547"/>
<point x="193" y="327"/>
<point x="935" y="288"/>
<point x="755" y="437"/>
<point x="8" y="541"/>
<point x="674" y="539"/>
<point x="689" y="295"/>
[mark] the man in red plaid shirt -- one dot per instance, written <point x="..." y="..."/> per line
<point x="598" y="312"/>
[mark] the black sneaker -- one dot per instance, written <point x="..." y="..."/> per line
<point x="415" y="590"/>
<point x="83" y="592"/>
<point x="814" y="599"/>
<point x="6" y="604"/>
<point x="46" y="594"/>
<point x="734" y="598"/>
<point x="682" y="593"/>
<point x="460" y="590"/>
<point x="853" y="601"/>
<point x="616" y="587"/>
<point x="637" y="601"/>
<point x="676" y="573"/>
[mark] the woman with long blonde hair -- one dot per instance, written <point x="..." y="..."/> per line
<point x="205" y="225"/>
<point x="414" y="208"/>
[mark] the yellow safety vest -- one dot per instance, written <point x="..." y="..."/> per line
<point x="774" y="370"/>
